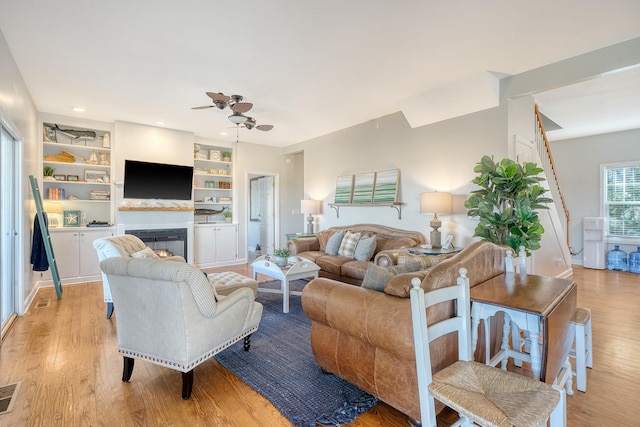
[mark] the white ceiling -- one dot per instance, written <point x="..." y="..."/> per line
<point x="310" y="68"/>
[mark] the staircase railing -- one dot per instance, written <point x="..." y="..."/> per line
<point x="544" y="152"/>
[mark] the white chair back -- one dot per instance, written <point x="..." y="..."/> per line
<point x="423" y="333"/>
<point x="516" y="264"/>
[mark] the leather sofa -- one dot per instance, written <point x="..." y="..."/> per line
<point x="365" y="336"/>
<point x="346" y="269"/>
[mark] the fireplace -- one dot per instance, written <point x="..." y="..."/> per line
<point x="164" y="241"/>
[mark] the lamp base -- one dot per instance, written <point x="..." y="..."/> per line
<point x="435" y="237"/>
<point x="310" y="224"/>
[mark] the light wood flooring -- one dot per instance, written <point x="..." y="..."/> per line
<point x="65" y="353"/>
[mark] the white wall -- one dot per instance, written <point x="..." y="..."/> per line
<point x="264" y="160"/>
<point x="437" y="157"/>
<point x="578" y="161"/>
<point x="19" y="112"/>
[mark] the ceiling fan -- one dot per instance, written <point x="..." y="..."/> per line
<point x="234" y="102"/>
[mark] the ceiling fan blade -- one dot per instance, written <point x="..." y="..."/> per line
<point x="264" y="127"/>
<point x="221" y="97"/>
<point x="241" y="107"/>
<point x="202" y="107"/>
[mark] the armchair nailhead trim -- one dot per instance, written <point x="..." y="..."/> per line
<point x="186" y="367"/>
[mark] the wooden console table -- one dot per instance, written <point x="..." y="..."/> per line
<point x="541" y="305"/>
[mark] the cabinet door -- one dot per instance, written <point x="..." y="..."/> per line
<point x="88" y="257"/>
<point x="226" y="243"/>
<point x="65" y="249"/>
<point x="204" y="245"/>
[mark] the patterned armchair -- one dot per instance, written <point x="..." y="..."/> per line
<point x="169" y="314"/>
<point x="125" y="246"/>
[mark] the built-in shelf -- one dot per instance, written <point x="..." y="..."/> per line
<point x="395" y="205"/>
<point x="132" y="208"/>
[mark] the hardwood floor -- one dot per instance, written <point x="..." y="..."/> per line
<point x="65" y="354"/>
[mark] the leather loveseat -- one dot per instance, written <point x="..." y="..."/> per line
<point x="347" y="269"/>
<point x="365" y="336"/>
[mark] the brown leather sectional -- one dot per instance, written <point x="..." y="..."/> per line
<point x="365" y="336"/>
<point x="347" y="270"/>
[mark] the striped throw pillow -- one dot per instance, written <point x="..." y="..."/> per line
<point x="349" y="243"/>
<point x="427" y="261"/>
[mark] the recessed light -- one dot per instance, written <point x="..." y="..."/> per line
<point x="161" y="123"/>
<point x="223" y="133"/>
<point x="78" y="109"/>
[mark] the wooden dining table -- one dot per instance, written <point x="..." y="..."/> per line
<point x="543" y="306"/>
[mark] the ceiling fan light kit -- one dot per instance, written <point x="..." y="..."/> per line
<point x="237" y="118"/>
<point x="235" y="104"/>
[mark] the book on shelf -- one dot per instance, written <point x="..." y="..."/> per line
<point x="99" y="195"/>
<point x="55" y="193"/>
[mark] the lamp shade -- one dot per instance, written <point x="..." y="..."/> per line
<point x="436" y="203"/>
<point x="310" y="206"/>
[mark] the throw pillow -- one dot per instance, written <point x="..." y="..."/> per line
<point x="365" y="248"/>
<point x="349" y="243"/>
<point x="145" y="253"/>
<point x="427" y="261"/>
<point x="377" y="277"/>
<point x="333" y="244"/>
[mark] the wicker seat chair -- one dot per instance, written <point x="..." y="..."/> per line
<point x="483" y="394"/>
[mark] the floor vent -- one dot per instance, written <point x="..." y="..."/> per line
<point x="43" y="303"/>
<point x="7" y="396"/>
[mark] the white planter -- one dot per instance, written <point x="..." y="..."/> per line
<point x="281" y="261"/>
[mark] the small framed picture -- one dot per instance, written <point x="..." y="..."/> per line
<point x="73" y="178"/>
<point x="93" y="175"/>
<point x="59" y="177"/>
<point x="71" y="219"/>
<point x="215" y="155"/>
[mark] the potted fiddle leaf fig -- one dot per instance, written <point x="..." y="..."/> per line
<point x="507" y="203"/>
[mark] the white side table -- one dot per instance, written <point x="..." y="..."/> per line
<point x="296" y="268"/>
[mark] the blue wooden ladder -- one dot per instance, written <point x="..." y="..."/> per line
<point x="46" y="238"/>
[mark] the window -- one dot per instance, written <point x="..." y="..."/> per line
<point x="621" y="199"/>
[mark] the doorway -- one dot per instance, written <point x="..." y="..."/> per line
<point x="263" y="206"/>
<point x="10" y="169"/>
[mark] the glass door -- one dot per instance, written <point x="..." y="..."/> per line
<point x="8" y="226"/>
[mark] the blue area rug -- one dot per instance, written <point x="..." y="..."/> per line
<point x="280" y="366"/>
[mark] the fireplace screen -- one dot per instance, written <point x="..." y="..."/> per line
<point x="165" y="242"/>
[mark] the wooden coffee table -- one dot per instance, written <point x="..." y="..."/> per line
<point x="296" y="268"/>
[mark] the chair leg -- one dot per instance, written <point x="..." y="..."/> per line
<point x="127" y="369"/>
<point x="581" y="366"/>
<point x="589" y="347"/>
<point x="109" y="310"/>
<point x="558" y="417"/>
<point x="516" y="343"/>
<point x="247" y="342"/>
<point x="187" y="384"/>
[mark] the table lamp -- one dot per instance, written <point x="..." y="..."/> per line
<point x="435" y="203"/>
<point x="310" y="207"/>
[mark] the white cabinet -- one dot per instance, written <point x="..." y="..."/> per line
<point x="215" y="244"/>
<point x="76" y="164"/>
<point x="76" y="258"/>
<point x="212" y="181"/>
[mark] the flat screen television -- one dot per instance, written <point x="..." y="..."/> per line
<point x="145" y="180"/>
